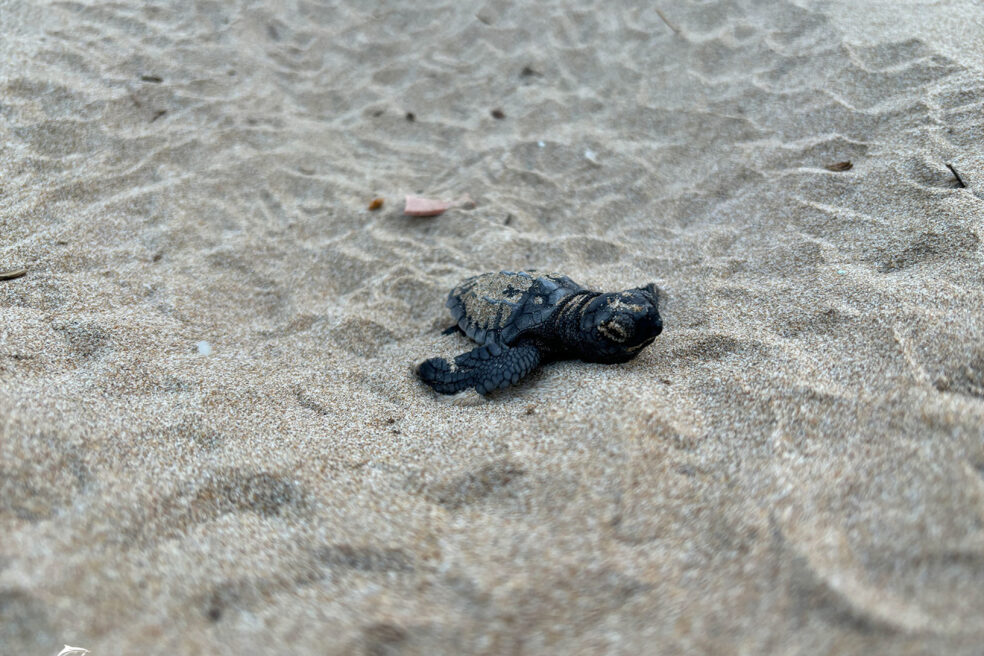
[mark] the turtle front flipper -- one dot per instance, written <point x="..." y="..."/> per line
<point x="486" y="368"/>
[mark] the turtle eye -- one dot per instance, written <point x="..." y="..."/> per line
<point x="613" y="330"/>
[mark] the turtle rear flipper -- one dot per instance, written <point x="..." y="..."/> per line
<point x="486" y="368"/>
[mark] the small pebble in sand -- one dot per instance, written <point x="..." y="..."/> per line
<point x="411" y="117"/>
<point x="498" y="113"/>
<point x="541" y="144"/>
<point x="418" y="206"/>
<point x="591" y="156"/>
<point x="204" y="348"/>
<point x="375" y="204"/>
<point x="839" y="166"/>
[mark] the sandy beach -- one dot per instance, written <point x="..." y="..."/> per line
<point x="211" y="436"/>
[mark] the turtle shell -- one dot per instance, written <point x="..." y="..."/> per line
<point x="498" y="307"/>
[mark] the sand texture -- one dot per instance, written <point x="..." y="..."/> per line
<point x="211" y="439"/>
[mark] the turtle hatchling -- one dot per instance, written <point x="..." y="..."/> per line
<point x="521" y="320"/>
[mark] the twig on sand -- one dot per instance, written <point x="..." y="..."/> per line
<point x="13" y="274"/>
<point x="666" y="20"/>
<point x="960" y="181"/>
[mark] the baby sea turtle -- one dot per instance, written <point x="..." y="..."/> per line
<point x="523" y="319"/>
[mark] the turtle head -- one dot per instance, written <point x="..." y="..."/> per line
<point x="615" y="327"/>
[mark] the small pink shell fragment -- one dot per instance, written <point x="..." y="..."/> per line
<point x="417" y="206"/>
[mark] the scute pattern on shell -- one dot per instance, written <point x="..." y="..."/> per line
<point x="497" y="307"/>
